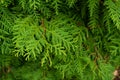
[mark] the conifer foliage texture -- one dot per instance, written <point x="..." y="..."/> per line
<point x="59" y="39"/>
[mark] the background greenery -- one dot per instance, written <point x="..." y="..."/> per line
<point x="59" y="39"/>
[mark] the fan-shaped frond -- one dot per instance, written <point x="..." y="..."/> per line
<point x="28" y="42"/>
<point x="114" y="12"/>
<point x="93" y="6"/>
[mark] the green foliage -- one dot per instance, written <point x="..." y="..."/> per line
<point x="113" y="9"/>
<point x="59" y="40"/>
<point x="93" y="6"/>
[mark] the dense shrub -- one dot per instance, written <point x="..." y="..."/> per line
<point x="59" y="39"/>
